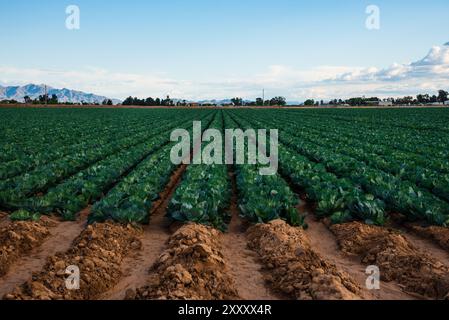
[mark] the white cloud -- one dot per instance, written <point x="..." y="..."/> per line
<point x="426" y="75"/>
<point x="434" y="65"/>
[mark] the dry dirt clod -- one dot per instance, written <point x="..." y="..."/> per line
<point x="191" y="268"/>
<point x="18" y="239"/>
<point x="295" y="268"/>
<point x="439" y="235"/>
<point x="397" y="259"/>
<point x="97" y="252"/>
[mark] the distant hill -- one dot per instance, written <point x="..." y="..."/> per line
<point x="64" y="95"/>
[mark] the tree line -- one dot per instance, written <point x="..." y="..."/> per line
<point x="150" y="102"/>
<point x="420" y="99"/>
<point x="259" y="102"/>
<point x="168" y="102"/>
<point x="53" y="100"/>
<point x="42" y="99"/>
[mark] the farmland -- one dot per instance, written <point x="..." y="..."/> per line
<point x="96" y="189"/>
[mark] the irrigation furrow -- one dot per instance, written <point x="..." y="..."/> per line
<point x="397" y="258"/>
<point x="153" y="240"/>
<point x="296" y="269"/>
<point x="438" y="235"/>
<point x="97" y="253"/>
<point x="59" y="240"/>
<point x="244" y="264"/>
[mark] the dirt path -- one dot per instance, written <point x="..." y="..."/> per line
<point x="435" y="234"/>
<point x="426" y="246"/>
<point x="60" y="240"/>
<point x="243" y="262"/>
<point x="154" y="238"/>
<point x="324" y="242"/>
<point x="423" y="242"/>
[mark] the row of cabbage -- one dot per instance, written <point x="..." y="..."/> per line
<point x="412" y="120"/>
<point x="205" y="191"/>
<point x="263" y="198"/>
<point x="397" y="195"/>
<point x="94" y="139"/>
<point x="132" y="198"/>
<point x="14" y="190"/>
<point x="28" y="132"/>
<point x="411" y="148"/>
<point x="410" y="140"/>
<point x="424" y="173"/>
<point x="72" y="195"/>
<point x="337" y="198"/>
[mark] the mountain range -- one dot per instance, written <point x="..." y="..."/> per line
<point x="64" y="95"/>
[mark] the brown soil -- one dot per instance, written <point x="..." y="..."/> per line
<point x="296" y="269"/>
<point x="439" y="235"/>
<point x="98" y="252"/>
<point x="60" y="239"/>
<point x="426" y="245"/>
<point x="154" y="238"/>
<point x="397" y="258"/>
<point x="20" y="238"/>
<point x="3" y="219"/>
<point x="325" y="244"/>
<point x="191" y="268"/>
<point x="245" y="265"/>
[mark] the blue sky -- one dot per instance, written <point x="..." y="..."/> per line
<point x="213" y="48"/>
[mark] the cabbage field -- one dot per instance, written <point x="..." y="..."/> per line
<point x="96" y="189"/>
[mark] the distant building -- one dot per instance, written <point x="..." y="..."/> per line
<point x="193" y="104"/>
<point x="372" y="102"/>
<point x="386" y="103"/>
<point x="383" y="103"/>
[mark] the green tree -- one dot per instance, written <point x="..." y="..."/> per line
<point x="237" y="101"/>
<point x="43" y="99"/>
<point x="128" y="101"/>
<point x="27" y="99"/>
<point x="442" y="96"/>
<point x="149" y="101"/>
<point x="53" y="99"/>
<point x="107" y="102"/>
<point x="423" y="98"/>
<point x="278" y="101"/>
<point x="309" y="102"/>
